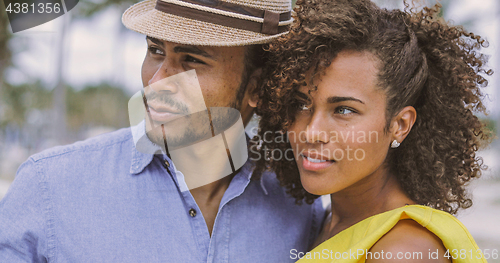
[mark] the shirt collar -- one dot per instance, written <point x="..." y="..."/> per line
<point x="140" y="159"/>
<point x="143" y="157"/>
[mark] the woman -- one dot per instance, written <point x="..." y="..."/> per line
<point x="377" y="107"/>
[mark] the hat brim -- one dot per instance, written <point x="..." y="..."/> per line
<point x="145" y="19"/>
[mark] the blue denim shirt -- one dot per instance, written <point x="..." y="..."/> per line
<point x="101" y="200"/>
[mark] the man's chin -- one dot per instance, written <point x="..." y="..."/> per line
<point x="174" y="139"/>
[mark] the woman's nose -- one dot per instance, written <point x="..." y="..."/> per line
<point x="316" y="131"/>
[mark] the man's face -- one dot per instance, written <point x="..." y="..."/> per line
<point x="219" y="71"/>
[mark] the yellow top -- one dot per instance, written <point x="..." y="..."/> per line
<point x="352" y="244"/>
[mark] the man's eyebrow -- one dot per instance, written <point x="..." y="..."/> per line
<point x="336" y="99"/>
<point x="155" y="40"/>
<point x="184" y="49"/>
<point x="193" y="50"/>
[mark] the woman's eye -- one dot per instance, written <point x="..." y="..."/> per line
<point x="194" y="60"/>
<point x="156" y="51"/>
<point x="344" y="110"/>
<point x="304" y="107"/>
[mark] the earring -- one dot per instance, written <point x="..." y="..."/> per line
<point x="395" y="144"/>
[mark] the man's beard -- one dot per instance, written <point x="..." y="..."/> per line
<point x="195" y="127"/>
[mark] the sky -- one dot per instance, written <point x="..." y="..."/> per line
<point x="100" y="49"/>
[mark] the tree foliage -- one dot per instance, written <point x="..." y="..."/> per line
<point x="101" y="105"/>
<point x="17" y="100"/>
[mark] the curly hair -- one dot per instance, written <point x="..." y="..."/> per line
<point x="425" y="63"/>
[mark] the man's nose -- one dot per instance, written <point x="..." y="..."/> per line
<point x="162" y="80"/>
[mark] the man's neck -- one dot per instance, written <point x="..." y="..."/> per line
<point x="209" y="197"/>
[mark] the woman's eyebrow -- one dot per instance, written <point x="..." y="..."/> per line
<point x="337" y="99"/>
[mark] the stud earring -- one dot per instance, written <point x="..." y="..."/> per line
<point x="395" y="144"/>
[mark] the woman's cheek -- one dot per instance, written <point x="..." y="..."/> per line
<point x="371" y="151"/>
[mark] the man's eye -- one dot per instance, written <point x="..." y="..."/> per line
<point x="191" y="59"/>
<point x="156" y="51"/>
<point x="344" y="110"/>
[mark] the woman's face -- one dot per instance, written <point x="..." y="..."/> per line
<point x="340" y="141"/>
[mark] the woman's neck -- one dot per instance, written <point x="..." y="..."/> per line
<point x="375" y="194"/>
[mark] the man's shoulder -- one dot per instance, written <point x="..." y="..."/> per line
<point x="89" y="146"/>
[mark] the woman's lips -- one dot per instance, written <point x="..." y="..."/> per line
<point x="315" y="163"/>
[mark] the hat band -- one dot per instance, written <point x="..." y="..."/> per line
<point x="270" y="24"/>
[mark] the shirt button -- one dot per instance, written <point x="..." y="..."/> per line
<point x="192" y="212"/>
<point x="166" y="164"/>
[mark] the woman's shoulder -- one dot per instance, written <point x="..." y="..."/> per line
<point x="420" y="233"/>
<point x="408" y="241"/>
<point x="412" y="233"/>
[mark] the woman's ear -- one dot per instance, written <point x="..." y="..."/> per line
<point x="252" y="88"/>
<point x="403" y="123"/>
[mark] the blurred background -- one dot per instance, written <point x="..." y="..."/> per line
<point x="71" y="79"/>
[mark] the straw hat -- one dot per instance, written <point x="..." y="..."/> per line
<point x="210" y="22"/>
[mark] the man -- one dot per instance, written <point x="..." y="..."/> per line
<point x="109" y="200"/>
